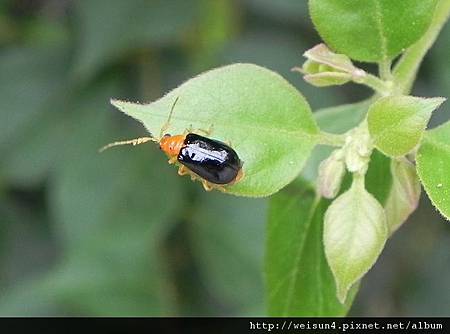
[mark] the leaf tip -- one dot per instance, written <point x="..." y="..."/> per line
<point x="117" y="103"/>
<point x="432" y="103"/>
<point x="438" y="101"/>
<point x="341" y="292"/>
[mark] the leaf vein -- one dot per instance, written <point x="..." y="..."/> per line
<point x="299" y="255"/>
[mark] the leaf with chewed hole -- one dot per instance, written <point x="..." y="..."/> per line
<point x="433" y="167"/>
<point x="265" y="119"/>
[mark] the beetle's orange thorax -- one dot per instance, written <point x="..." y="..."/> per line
<point x="171" y="145"/>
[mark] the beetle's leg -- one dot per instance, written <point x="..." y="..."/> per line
<point x="191" y="174"/>
<point x="239" y="176"/>
<point x="205" y="132"/>
<point x="172" y="160"/>
<point x="221" y="188"/>
<point x="182" y="170"/>
<point x="187" y="130"/>
<point x="208" y="131"/>
<point x="207" y="186"/>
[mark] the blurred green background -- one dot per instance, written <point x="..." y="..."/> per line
<point x="120" y="233"/>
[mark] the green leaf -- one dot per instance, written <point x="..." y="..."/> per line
<point x="264" y="118"/>
<point x="371" y="30"/>
<point x="298" y="279"/>
<point x="378" y="177"/>
<point x="433" y="167"/>
<point x="340" y="119"/>
<point x="404" y="195"/>
<point x="378" y="181"/>
<point x="397" y="123"/>
<point x="229" y="261"/>
<point x="355" y="231"/>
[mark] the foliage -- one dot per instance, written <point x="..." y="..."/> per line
<point x="263" y="117"/>
<point x="120" y="234"/>
<point x="397" y="123"/>
<point x="374" y="30"/>
<point x="433" y="167"/>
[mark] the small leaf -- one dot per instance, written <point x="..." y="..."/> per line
<point x="397" y="123"/>
<point x="433" y="167"/>
<point x="299" y="281"/>
<point x="404" y="195"/>
<point x="265" y="119"/>
<point x="355" y="232"/>
<point x="371" y="30"/>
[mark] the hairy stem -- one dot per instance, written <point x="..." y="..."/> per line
<point x="379" y="86"/>
<point x="331" y="139"/>
<point x="406" y="70"/>
<point x="385" y="70"/>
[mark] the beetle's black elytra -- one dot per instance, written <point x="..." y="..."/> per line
<point x="210" y="159"/>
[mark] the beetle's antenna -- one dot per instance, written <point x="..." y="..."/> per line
<point x="166" y="125"/>
<point x="134" y="142"/>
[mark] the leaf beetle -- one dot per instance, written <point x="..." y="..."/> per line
<point x="210" y="161"/>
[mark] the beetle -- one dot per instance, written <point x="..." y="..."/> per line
<point x="210" y="161"/>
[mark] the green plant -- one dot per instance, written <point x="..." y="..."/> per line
<point x="324" y="236"/>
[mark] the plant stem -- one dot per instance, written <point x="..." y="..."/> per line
<point x="331" y="139"/>
<point x="407" y="67"/>
<point x="359" y="180"/>
<point x="382" y="87"/>
<point x="385" y="70"/>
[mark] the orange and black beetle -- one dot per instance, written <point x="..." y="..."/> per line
<point x="212" y="162"/>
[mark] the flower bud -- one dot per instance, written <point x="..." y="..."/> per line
<point x="327" y="79"/>
<point x="358" y="148"/>
<point x="331" y="173"/>
<point x="326" y="68"/>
